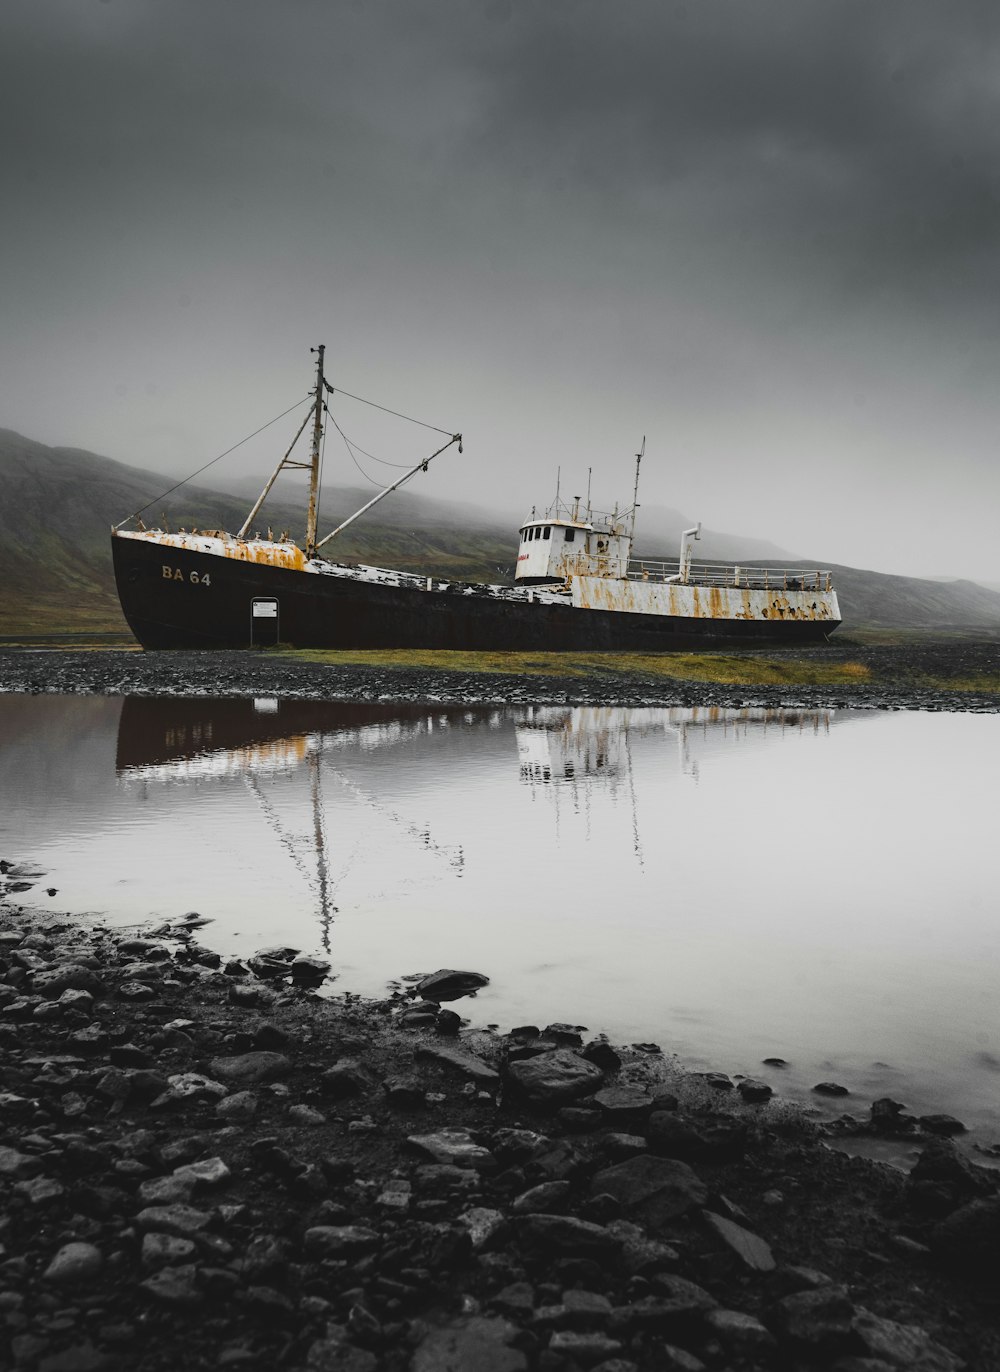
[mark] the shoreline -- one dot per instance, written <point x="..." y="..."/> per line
<point x="210" y="1165"/>
<point x="896" y="673"/>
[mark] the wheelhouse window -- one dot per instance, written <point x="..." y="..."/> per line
<point x="570" y="535"/>
<point x="547" y="532"/>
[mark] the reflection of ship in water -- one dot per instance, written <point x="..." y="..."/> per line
<point x="256" y="741"/>
<point x="562" y="745"/>
<point x="161" y="737"/>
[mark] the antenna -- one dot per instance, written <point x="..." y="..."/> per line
<point x="635" y="494"/>
<point x="558" y="479"/>
<point x="589" y="514"/>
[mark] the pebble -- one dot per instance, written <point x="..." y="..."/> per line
<point x="175" y="1286"/>
<point x="481" y="1343"/>
<point x="240" y="1106"/>
<point x="454" y="1147"/>
<point x="73" y="1263"/>
<point x="250" y="1069"/>
<point x="305" y="1115"/>
<point x="162" y="1250"/>
<point x="752" y="1250"/>
<point x="173" y="1219"/>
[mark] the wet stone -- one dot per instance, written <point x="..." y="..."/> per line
<point x="945" y="1125"/>
<point x="306" y="1116"/>
<point x="166" y="1190"/>
<point x="347" y="1078"/>
<point x="556" y="1078"/>
<point x="173" y="1219"/>
<point x="970" y="1236"/>
<point x="207" y="1172"/>
<point x="73" y="1263"/>
<point x="465" y="1063"/>
<point x="485" y="1227"/>
<point x="309" y="969"/>
<point x="902" y="1345"/>
<point x="819" y="1321"/>
<point x="165" y="1250"/>
<point x="340" y="1241"/>
<point x="481" y="1343"/>
<point x="718" y="1081"/>
<point x="584" y="1349"/>
<point x="830" y="1088"/>
<point x="564" y="1234"/>
<point x="749" y="1248"/>
<point x="640" y="1253"/>
<point x="548" y="1197"/>
<point x="652" y="1190"/>
<point x="623" y="1105"/>
<point x="576" y="1310"/>
<point x="237" y="1108"/>
<point x="39" y="1190"/>
<point x="517" y="1300"/>
<point x="404" y="1093"/>
<point x="738" y="1332"/>
<point x="67" y="977"/>
<point x="174" y="1286"/>
<point x="80" y="1357"/>
<point x="672" y="1136"/>
<point x="754" y="1091"/>
<point x="135" y="991"/>
<point x="674" y="1359"/>
<point x="453" y="1147"/>
<point x="448" y="984"/>
<point x="250" y="1069"/>
<point x="18" y="1165"/>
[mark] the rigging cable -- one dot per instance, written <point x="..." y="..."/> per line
<point x="179" y="484"/>
<point x="376" y="406"/>
<point x="350" y="449"/>
<point x="358" y="448"/>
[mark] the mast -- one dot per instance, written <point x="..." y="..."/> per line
<point x="635" y="493"/>
<point x="317" y="439"/>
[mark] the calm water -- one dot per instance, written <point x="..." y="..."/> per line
<point x="818" y="886"/>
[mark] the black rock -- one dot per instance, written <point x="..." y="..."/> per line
<point x="944" y="1125"/>
<point x="448" y="984"/>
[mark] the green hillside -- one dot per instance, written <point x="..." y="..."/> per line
<point x="59" y="504"/>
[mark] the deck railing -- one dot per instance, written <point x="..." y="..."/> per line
<point x="723" y="574"/>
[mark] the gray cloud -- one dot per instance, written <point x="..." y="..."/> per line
<point x="764" y="233"/>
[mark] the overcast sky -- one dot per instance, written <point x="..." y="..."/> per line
<point x="763" y="234"/>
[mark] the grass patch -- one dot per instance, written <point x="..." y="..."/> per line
<point x="982" y="683"/>
<point x="722" y="668"/>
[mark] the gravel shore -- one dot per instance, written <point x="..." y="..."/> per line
<point x="896" y="674"/>
<point x="208" y="1165"/>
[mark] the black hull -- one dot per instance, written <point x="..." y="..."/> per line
<point x="317" y="611"/>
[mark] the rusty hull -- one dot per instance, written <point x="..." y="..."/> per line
<point x="704" y="602"/>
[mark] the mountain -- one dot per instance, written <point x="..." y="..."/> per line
<point x="58" y="505"/>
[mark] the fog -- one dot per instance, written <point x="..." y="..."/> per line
<point x="763" y="236"/>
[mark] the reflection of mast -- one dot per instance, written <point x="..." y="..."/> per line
<point x="688" y="765"/>
<point x="636" y="844"/>
<point x="325" y="908"/>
